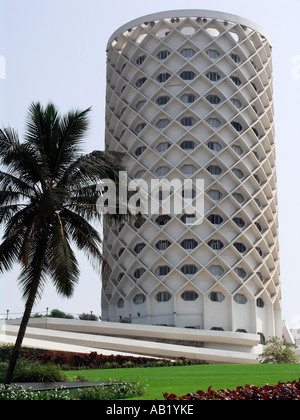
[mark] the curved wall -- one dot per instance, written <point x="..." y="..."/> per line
<point x="189" y="95"/>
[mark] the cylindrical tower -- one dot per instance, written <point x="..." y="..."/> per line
<point x="189" y="95"/>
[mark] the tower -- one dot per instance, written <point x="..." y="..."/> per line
<point x="189" y="95"/>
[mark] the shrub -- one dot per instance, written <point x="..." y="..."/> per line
<point x="19" y="393"/>
<point x="30" y="371"/>
<point x="88" y="317"/>
<point x="114" y="391"/>
<point x="278" y="351"/>
<point x="282" y="391"/>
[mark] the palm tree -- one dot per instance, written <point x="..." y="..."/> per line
<point x="47" y="202"/>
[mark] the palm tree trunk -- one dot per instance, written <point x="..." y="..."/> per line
<point x="25" y="319"/>
<point x="21" y="333"/>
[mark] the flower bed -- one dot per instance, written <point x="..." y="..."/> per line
<point x="282" y="391"/>
<point x="92" y="359"/>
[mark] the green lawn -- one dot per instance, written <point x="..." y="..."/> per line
<point x="184" y="379"/>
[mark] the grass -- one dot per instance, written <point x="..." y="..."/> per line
<point x="184" y="379"/>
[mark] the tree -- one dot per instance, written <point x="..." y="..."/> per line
<point x="47" y="202"/>
<point x="278" y="351"/>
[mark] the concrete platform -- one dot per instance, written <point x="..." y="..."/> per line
<point x="136" y="340"/>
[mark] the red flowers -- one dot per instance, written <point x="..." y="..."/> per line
<point x="282" y="391"/>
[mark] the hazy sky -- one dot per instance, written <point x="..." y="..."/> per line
<point x="54" y="50"/>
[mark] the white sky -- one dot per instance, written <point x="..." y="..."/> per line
<point x="54" y="50"/>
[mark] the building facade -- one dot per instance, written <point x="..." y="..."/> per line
<point x="189" y="96"/>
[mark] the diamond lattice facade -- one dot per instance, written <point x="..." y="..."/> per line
<point x="189" y="95"/>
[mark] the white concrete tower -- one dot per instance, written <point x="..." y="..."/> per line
<point x="189" y="95"/>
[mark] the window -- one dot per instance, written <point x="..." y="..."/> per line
<point x="141" y="59"/>
<point x="258" y="226"/>
<point x="139" y="223"/>
<point x="260" y="276"/>
<point x="163" y="219"/>
<point x="163" y="244"/>
<point x="216" y="270"/>
<point x="255" y="132"/>
<point x="189" y="244"/>
<point x="238" y="173"/>
<point x="214" y="145"/>
<point x="214" y="170"/>
<point x="188" y="52"/>
<point x="240" y="299"/>
<point x="257" y="178"/>
<point x="140" y="82"/>
<point x="189" y="269"/>
<point x="188" y="218"/>
<point x="258" y="202"/>
<point x="213" y="99"/>
<point x="239" y="222"/>
<point x="139" y="151"/>
<point x="163" y="270"/>
<point x="259" y="251"/>
<point x="139" y="247"/>
<point x="215" y="219"/>
<point x="163" y="123"/>
<point x="120" y="303"/>
<point x="121" y="252"/>
<point x="189" y="295"/>
<point x="140" y="127"/>
<point x="240" y="247"/>
<point x="216" y="297"/>
<point x="237" y="149"/>
<point x="236" y="80"/>
<point x="120" y="276"/>
<point x="163" y="297"/>
<point x="216" y="244"/>
<point x="140" y="174"/>
<point x="188" y="121"/>
<point x="188" y="75"/>
<point x="240" y="272"/>
<point x="188" y="98"/>
<point x="162" y="55"/>
<point x="188" y="169"/>
<point x="188" y="145"/>
<point x="239" y="197"/>
<point x="213" y="53"/>
<point x="213" y="76"/>
<point x="237" y="126"/>
<point x="235" y="58"/>
<point x="140" y="105"/>
<point x="188" y="193"/>
<point x="260" y="303"/>
<point x="162" y="100"/>
<point x="254" y="86"/>
<point x="162" y="170"/>
<point x="138" y="273"/>
<point x="237" y="103"/>
<point x="215" y="195"/>
<point x="214" y="122"/>
<point x="162" y="147"/>
<point x="163" y="77"/>
<point x="139" y="299"/>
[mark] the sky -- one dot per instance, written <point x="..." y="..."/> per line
<point x="54" y="50"/>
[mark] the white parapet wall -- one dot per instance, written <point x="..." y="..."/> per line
<point x="151" y="341"/>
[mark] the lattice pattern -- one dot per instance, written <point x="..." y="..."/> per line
<point x="192" y="97"/>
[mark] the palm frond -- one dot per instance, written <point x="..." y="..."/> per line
<point x="63" y="263"/>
